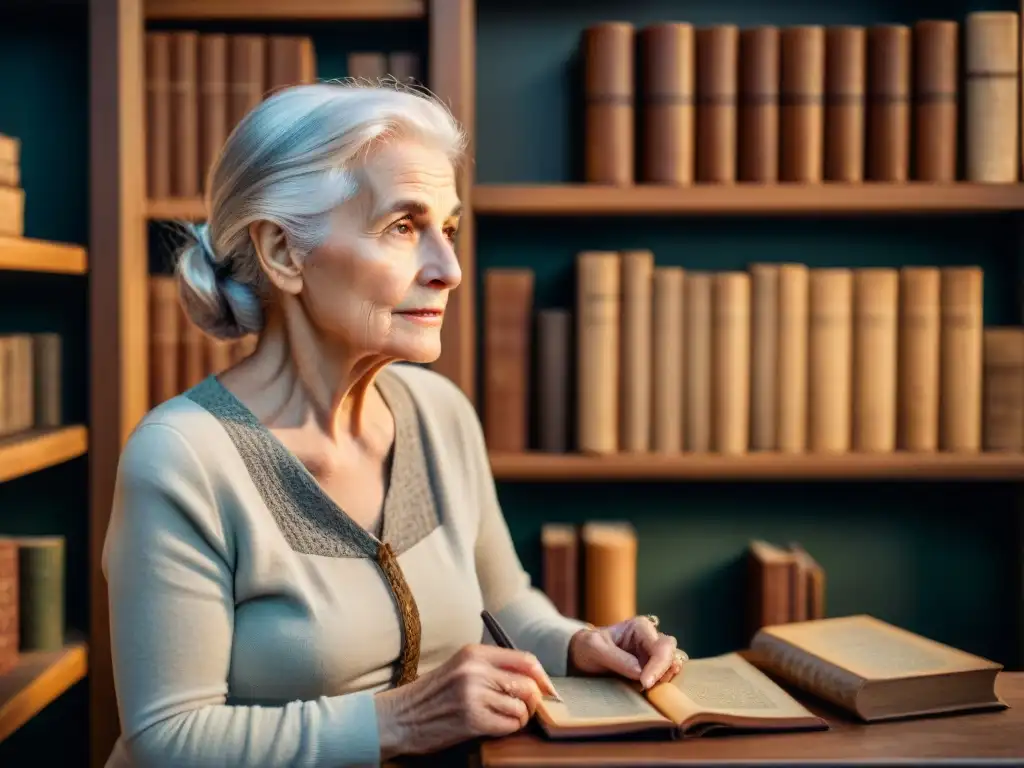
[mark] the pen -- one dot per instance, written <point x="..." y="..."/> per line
<point x="504" y="641"/>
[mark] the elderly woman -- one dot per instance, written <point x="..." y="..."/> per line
<point x="301" y="547"/>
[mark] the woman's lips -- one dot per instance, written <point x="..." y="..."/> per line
<point x="422" y="316"/>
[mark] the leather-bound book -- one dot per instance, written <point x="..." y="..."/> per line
<point x="810" y="572"/>
<point x="919" y="345"/>
<point x="875" y="338"/>
<point x="1004" y="389"/>
<point x="758" y="144"/>
<point x="764" y="356"/>
<point x="41" y="593"/>
<point x="213" y="100"/>
<point x="802" y="120"/>
<point x="246" y="75"/>
<point x="792" y="364"/>
<point x="609" y="572"/>
<point x="717" y="83"/>
<point x="290" y="61"/>
<point x="697" y="365"/>
<point x="21" y="370"/>
<point x="667" y="74"/>
<point x="192" y="352"/>
<point x="730" y="354"/>
<point x="185" y="113"/>
<point x="554" y="353"/>
<point x="992" y="113"/>
<point x="830" y="359"/>
<point x="158" y="114"/>
<point x="845" y="86"/>
<point x="46" y="361"/>
<point x="164" y="338"/>
<point x="771" y="573"/>
<point x="608" y="94"/>
<point x="599" y="318"/>
<point x="405" y="67"/>
<point x="936" y="81"/>
<point x="367" y="66"/>
<point x="635" y="412"/>
<point x="888" y="138"/>
<point x="667" y="360"/>
<point x="9" y="634"/>
<point x="508" y="316"/>
<point x="561" y="567"/>
<point x="962" y="290"/>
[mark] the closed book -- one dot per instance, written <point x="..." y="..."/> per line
<point x="764" y="356"/>
<point x="667" y="73"/>
<point x="802" y="94"/>
<point x="888" y="136"/>
<point x="716" y="87"/>
<point x="164" y="338"/>
<point x="730" y="354"/>
<point x="758" y="143"/>
<point x="561" y="567"/>
<point x="12" y="212"/>
<point x="46" y="361"/>
<point x="635" y="392"/>
<point x="405" y="67"/>
<point x="771" y="573"/>
<point x="812" y="574"/>
<point x="991" y="93"/>
<point x="793" y="313"/>
<point x="367" y="66"/>
<point x="41" y="593"/>
<point x="667" y="360"/>
<point x="875" y="338"/>
<point x="936" y="47"/>
<point x="5" y="385"/>
<point x="213" y="100"/>
<point x="919" y="345"/>
<point x="1004" y="389"/>
<point x="697" y="353"/>
<point x="830" y="359"/>
<point x="598" y="367"/>
<point x="21" y="370"/>
<point x="290" y="61"/>
<point x="9" y="633"/>
<point x="845" y="88"/>
<point x="508" y="315"/>
<point x="158" y="114"/>
<point x="554" y="355"/>
<point x="608" y="93"/>
<point x="247" y="63"/>
<point x="962" y="293"/>
<point x="185" y="163"/>
<point x="609" y="568"/>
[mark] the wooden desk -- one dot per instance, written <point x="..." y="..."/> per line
<point x="982" y="739"/>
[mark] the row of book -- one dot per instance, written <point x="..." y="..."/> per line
<point x="32" y="571"/>
<point x="781" y="357"/>
<point x="803" y="104"/>
<point x="12" y="196"/>
<point x="30" y="382"/>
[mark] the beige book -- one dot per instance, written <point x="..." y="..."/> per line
<point x="1004" y="389"/>
<point x="609" y="572"/>
<point x="810" y="572"/>
<point x="961" y="359"/>
<point x="875" y="322"/>
<point x="764" y="355"/>
<point x="919" y="345"/>
<point x="992" y="111"/>
<point x="697" y="354"/>
<point x="716" y="694"/>
<point x="635" y="413"/>
<point x="791" y="389"/>
<point x="667" y="360"/>
<point x="597" y="348"/>
<point x="730" y="355"/>
<point x="12" y="212"/>
<point x="830" y="360"/>
<point x="874" y="670"/>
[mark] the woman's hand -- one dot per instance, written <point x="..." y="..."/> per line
<point x="633" y="648"/>
<point x="481" y="691"/>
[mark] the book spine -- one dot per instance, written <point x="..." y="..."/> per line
<point x="609" y="567"/>
<point x="46" y="356"/>
<point x="888" y="103"/>
<point x="404" y="66"/>
<point x="919" y="359"/>
<point x="697" y="352"/>
<point x="668" y="109"/>
<point x="164" y="338"/>
<point x="875" y="324"/>
<point x="961" y="358"/>
<point x="609" y="104"/>
<point x="248" y="60"/>
<point x="185" y="179"/>
<point x="992" y="121"/>
<point x="9" y="632"/>
<point x="561" y="567"/>
<point x="508" y="309"/>
<point x="158" y="114"/>
<point x="598" y="333"/>
<point x="24" y="411"/>
<point x="5" y="386"/>
<point x="936" y="75"/>
<point x="554" y="351"/>
<point x="213" y="101"/>
<point x="764" y="356"/>
<point x="730" y="378"/>
<point x="845" y="86"/>
<point x="12" y="212"/>
<point x="1004" y="389"/>
<point x="793" y="312"/>
<point x="716" y="86"/>
<point x="367" y="67"/>
<point x="758" y="143"/>
<point x="635" y="387"/>
<point x="667" y="360"/>
<point x="802" y="94"/>
<point x="830" y="360"/>
<point x="41" y="593"/>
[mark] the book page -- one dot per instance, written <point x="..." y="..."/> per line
<point x="594" y="701"/>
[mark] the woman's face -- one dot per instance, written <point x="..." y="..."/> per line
<point x="380" y="282"/>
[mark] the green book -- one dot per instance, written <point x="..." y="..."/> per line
<point x="41" y="593"/>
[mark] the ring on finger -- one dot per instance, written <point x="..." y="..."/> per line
<point x="681" y="656"/>
<point x="653" y="619"/>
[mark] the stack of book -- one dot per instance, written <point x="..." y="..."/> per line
<point x="785" y="585"/>
<point x="12" y="196"/>
<point x="31" y="596"/>
<point x="30" y="382"/>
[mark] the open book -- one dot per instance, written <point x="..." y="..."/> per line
<point x="719" y="692"/>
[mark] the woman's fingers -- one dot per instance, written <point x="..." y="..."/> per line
<point x="661" y="656"/>
<point x="521" y="687"/>
<point x="508" y="712"/>
<point x="521" y="663"/>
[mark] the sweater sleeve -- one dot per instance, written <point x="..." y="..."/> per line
<point x="168" y="560"/>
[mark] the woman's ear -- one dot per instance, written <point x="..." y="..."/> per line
<point x="276" y="258"/>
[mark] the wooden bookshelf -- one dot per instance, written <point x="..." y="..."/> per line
<point x="38" y="679"/>
<point x="757" y="466"/>
<point x="23" y="254"/>
<point x="285" y="10"/>
<point x="742" y="199"/>
<point x="28" y="452"/>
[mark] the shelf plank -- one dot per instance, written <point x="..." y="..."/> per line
<point x="302" y="10"/>
<point x="23" y="254"/>
<point x="757" y="466"/>
<point x="28" y="452"/>
<point x="745" y="199"/>
<point x="38" y="679"/>
<point x="176" y="209"/>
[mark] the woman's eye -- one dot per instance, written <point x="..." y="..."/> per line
<point x="450" y="233"/>
<point x="403" y="228"/>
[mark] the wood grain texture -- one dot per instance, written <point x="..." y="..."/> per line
<point x="306" y="10"/>
<point x="28" y="452"/>
<point x="23" y="254"/>
<point x="38" y="679"/>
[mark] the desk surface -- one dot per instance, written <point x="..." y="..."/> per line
<point x="988" y="738"/>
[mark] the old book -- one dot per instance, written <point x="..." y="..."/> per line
<point x="716" y="86"/>
<point x="730" y="363"/>
<point x="874" y="670"/>
<point x="772" y="585"/>
<point x="830" y="359"/>
<point x="21" y="371"/>
<point x="697" y="362"/>
<point x="845" y="87"/>
<point x="404" y="66"/>
<point x="888" y="127"/>
<point x="41" y="593"/>
<point x="561" y="567"/>
<point x="936" y="47"/>
<point x="9" y="633"/>
<point x="812" y="575"/>
<point x="158" y="114"/>
<point x="1004" y="389"/>
<point x="758" y="143"/>
<point x="802" y="130"/>
<point x="764" y="356"/>
<point x="609" y="133"/>
<point x="554" y="353"/>
<point x="10" y="149"/>
<point x="164" y="338"/>
<point x="246" y="66"/>
<point x="919" y="344"/>
<point x="46" y="362"/>
<point x="213" y="100"/>
<point x="192" y="352"/>
<point x="5" y="385"/>
<point x="12" y="212"/>
<point x="875" y="336"/>
<point x="367" y="66"/>
<point x="10" y="175"/>
<point x="792" y="362"/>
<point x="185" y="163"/>
<point x="992" y="113"/>
<point x="290" y="61"/>
<point x="508" y="315"/>
<point x="667" y="360"/>
<point x="598" y="318"/>
<point x="718" y="694"/>
<point x="609" y="572"/>
<point x="961" y="309"/>
<point x="667" y="74"/>
<point x="635" y="392"/>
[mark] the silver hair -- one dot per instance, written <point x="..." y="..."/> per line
<point x="291" y="161"/>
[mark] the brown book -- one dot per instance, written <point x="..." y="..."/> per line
<point x="246" y="78"/>
<point x="20" y="385"/>
<point x="5" y="385"/>
<point x="10" y="149"/>
<point x="10" y="175"/>
<point x="367" y="66"/>
<point x="875" y="338"/>
<point x="668" y="110"/>
<point x="771" y="574"/>
<point x="730" y="355"/>
<point x="554" y="353"/>
<point x="508" y="315"/>
<point x="961" y="358"/>
<point x="213" y="100"/>
<point x="609" y="571"/>
<point x="158" y="114"/>
<point x="888" y="135"/>
<point x="667" y="360"/>
<point x="919" y="345"/>
<point x="9" y="632"/>
<point x="802" y="129"/>
<point x="697" y="366"/>
<point x="792" y="364"/>
<point x="992" y="112"/>
<point x="1004" y="389"/>
<point x="876" y="671"/>
<point x="715" y="695"/>
<point x="764" y="356"/>
<point x="716" y="87"/>
<point x="830" y="360"/>
<point x="599" y="318"/>
<point x="404" y="66"/>
<point x="635" y="386"/>
<point x="192" y="359"/>
<point x="46" y="361"/>
<point x="290" y="61"/>
<point x="758" y="144"/>
<point x="812" y="575"/>
<point x="185" y="158"/>
<point x="164" y="338"/>
<point x="609" y="104"/>
<point x="936" y="79"/>
<point x="561" y="574"/>
<point x="845" y="87"/>
<point x="12" y="212"/>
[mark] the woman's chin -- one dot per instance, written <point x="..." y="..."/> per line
<point x="420" y="350"/>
